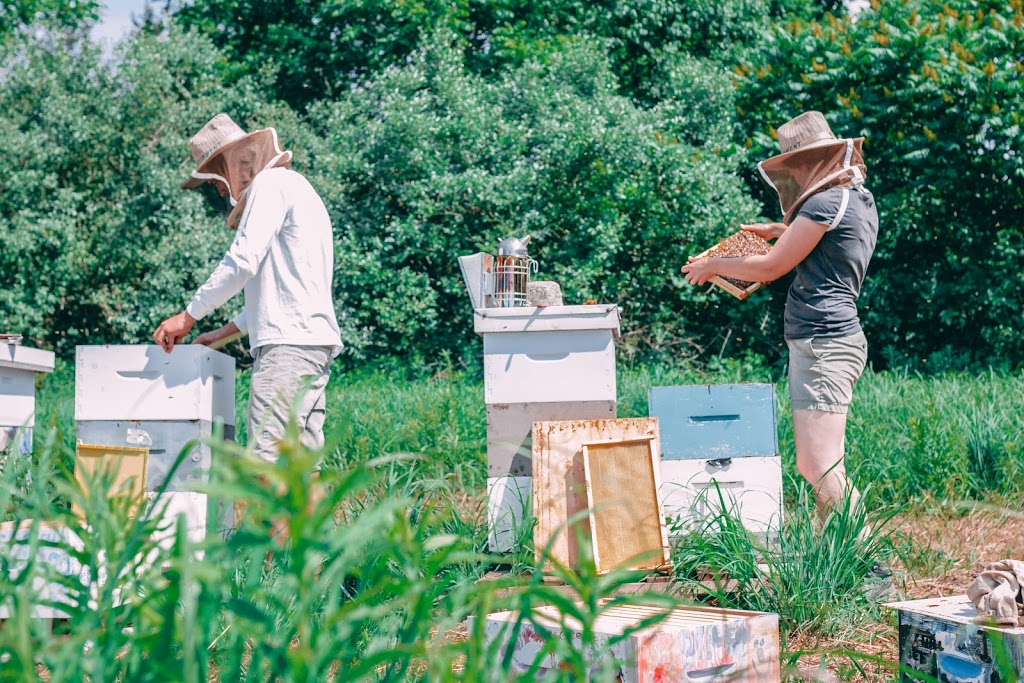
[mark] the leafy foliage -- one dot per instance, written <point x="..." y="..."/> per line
<point x="936" y="89"/>
<point x="431" y="162"/>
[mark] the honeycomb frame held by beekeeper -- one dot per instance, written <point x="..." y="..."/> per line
<point x="282" y="259"/>
<point x="827" y="234"/>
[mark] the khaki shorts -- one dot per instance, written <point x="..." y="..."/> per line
<point x="823" y="370"/>
<point x="277" y="375"/>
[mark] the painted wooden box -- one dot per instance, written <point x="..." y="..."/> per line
<point x="140" y="382"/>
<point x="18" y="368"/>
<point x="50" y="557"/>
<point x="690" y="644"/>
<point x="202" y="513"/>
<point x="165" y="440"/>
<point x="510" y="430"/>
<point x="554" y="353"/>
<point x="712" y="422"/>
<point x="507" y="498"/>
<point x="750" y="488"/>
<point x="940" y="640"/>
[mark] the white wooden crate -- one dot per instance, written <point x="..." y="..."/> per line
<point x="570" y="365"/>
<point x="14" y="546"/>
<point x="690" y="644"/>
<point x="143" y="382"/>
<point x="507" y="498"/>
<point x="750" y="486"/>
<point x="18" y="368"/>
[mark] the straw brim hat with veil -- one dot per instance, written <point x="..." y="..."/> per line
<point x="812" y="159"/>
<point x="222" y="151"/>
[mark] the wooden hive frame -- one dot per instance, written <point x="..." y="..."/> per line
<point x="125" y="465"/>
<point x="740" y="293"/>
<point x="559" y="481"/>
<point x="627" y="526"/>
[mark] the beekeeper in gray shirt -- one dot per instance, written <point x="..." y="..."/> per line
<point x="827" y="234"/>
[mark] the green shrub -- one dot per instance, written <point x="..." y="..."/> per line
<point x="935" y="88"/>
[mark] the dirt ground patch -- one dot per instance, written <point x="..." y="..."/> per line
<point x="943" y="551"/>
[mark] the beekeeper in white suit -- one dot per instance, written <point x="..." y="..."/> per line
<point x="282" y="258"/>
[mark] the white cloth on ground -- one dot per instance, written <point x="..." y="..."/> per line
<point x="997" y="593"/>
<point x="283" y="258"/>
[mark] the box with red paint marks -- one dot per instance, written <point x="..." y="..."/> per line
<point x="687" y="644"/>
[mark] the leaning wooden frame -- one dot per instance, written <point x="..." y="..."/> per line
<point x="623" y="485"/>
<point x="740" y="243"/>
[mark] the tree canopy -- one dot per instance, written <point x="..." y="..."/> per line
<point x="621" y="136"/>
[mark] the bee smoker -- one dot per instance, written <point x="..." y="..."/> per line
<point x="512" y="272"/>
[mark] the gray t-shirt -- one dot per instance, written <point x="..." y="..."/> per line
<point x="822" y="300"/>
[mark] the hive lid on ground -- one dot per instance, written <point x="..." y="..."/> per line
<point x="547" y="319"/>
<point x="18" y="357"/>
<point x="956" y="609"/>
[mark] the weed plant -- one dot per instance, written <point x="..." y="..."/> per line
<point x="371" y="583"/>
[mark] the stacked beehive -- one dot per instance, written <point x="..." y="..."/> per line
<point x="719" y="443"/>
<point x="140" y="396"/>
<point x="540" y="364"/>
<point x="18" y="368"/>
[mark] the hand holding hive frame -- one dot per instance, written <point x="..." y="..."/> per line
<point x="742" y="243"/>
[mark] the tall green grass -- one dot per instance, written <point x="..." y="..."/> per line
<point x="370" y="584"/>
<point x="947" y="437"/>
<point x="376" y="579"/>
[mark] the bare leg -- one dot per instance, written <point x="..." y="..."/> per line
<point x="820" y="440"/>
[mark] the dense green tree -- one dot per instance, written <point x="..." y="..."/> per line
<point x="317" y="48"/>
<point x="936" y="88"/>
<point x="99" y="243"/>
<point x="429" y="162"/>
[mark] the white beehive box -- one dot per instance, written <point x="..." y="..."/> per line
<point x="48" y="558"/>
<point x="18" y="368"/>
<point x="554" y="353"/>
<point x="143" y="382"/>
<point x="689" y="644"/>
<point x="507" y="499"/>
<point x="751" y="489"/>
<point x="940" y="640"/>
<point x="199" y="512"/>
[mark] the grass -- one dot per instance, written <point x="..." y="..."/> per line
<point x="378" y="577"/>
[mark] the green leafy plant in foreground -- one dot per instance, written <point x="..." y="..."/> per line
<point x="352" y="576"/>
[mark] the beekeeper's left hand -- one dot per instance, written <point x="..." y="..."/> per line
<point x="699" y="270"/>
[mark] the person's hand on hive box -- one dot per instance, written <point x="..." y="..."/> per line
<point x="173" y="330"/>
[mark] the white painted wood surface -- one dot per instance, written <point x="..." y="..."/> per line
<point x="573" y="365"/>
<point x="18" y="357"/>
<point x="507" y="498"/>
<point x="547" y="319"/>
<point x="18" y="368"/>
<point x="57" y="559"/>
<point x="750" y="486"/>
<point x="142" y="382"/>
<point x="17" y="398"/>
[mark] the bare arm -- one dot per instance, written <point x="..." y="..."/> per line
<point x="792" y="247"/>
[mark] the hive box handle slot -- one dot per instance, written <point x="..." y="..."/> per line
<point x="547" y="357"/>
<point x="139" y="374"/>
<point x="714" y="418"/>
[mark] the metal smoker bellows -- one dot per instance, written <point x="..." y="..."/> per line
<point x="512" y="272"/>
